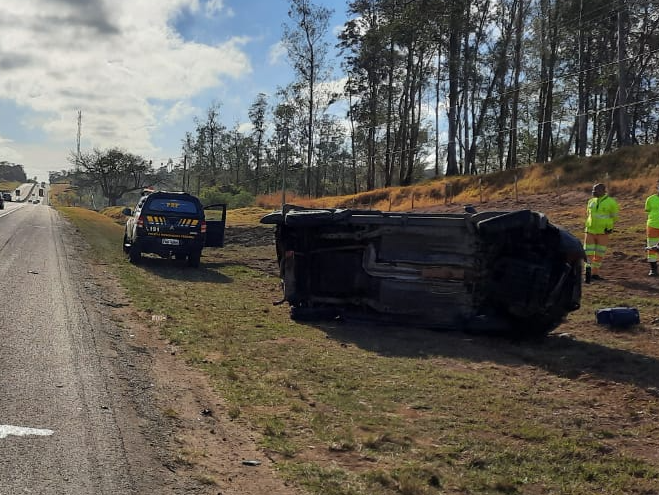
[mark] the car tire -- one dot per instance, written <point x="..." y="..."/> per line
<point x="134" y="254"/>
<point x="194" y="259"/>
<point x="126" y="245"/>
<point x="512" y="221"/>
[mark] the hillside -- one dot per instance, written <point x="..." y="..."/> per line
<point x="629" y="171"/>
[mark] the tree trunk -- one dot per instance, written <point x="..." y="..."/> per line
<point x="454" y="83"/>
<point x="517" y="68"/>
<point x="437" y="102"/>
<point x="353" y="150"/>
<point x="582" y="117"/>
<point x="389" y="155"/>
<point x="623" y="115"/>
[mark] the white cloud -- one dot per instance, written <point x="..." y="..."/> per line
<point x="334" y="86"/>
<point x="117" y="62"/>
<point x="216" y="7"/>
<point x="7" y="151"/>
<point x="245" y="127"/>
<point x="277" y="53"/>
<point x="178" y="111"/>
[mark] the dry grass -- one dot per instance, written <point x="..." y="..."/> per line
<point x="246" y="216"/>
<point x="8" y="185"/>
<point x="62" y="195"/>
<point x="632" y="170"/>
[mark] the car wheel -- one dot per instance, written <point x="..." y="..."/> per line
<point x="515" y="220"/>
<point x="134" y="254"/>
<point x="194" y="258"/>
<point x="126" y="246"/>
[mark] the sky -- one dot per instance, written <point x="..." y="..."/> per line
<point x="138" y="71"/>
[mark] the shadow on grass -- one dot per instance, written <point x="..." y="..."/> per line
<point x="562" y="356"/>
<point x="178" y="270"/>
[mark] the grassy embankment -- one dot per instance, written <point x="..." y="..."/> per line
<point x="8" y="185"/>
<point x="349" y="410"/>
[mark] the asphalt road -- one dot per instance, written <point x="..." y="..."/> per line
<point x="62" y="420"/>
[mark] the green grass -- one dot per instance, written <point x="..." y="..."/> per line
<point x="350" y="410"/>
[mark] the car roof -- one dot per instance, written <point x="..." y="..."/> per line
<point x="172" y="194"/>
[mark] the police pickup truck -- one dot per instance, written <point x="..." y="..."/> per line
<point x="171" y="224"/>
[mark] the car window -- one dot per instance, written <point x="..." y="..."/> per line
<point x="172" y="205"/>
<point x="140" y="203"/>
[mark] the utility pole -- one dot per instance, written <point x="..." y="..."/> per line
<point x="78" y="141"/>
<point x="185" y="163"/>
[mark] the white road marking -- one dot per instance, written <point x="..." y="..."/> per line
<point x="20" y="431"/>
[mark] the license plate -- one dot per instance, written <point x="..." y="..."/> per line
<point x="171" y="242"/>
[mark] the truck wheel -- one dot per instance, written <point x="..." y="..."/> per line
<point x="194" y="258"/>
<point x="134" y="254"/>
<point x="515" y="220"/>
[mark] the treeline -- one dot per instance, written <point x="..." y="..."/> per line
<point x="457" y="87"/>
<point x="116" y="177"/>
<point x="11" y="172"/>
<point x="436" y="87"/>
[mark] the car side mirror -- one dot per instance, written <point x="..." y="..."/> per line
<point x="127" y="212"/>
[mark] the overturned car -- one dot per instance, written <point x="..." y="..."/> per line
<point x="512" y="272"/>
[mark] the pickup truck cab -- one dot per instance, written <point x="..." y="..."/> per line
<point x="171" y="224"/>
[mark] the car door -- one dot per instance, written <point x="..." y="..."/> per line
<point x="131" y="223"/>
<point x="216" y="218"/>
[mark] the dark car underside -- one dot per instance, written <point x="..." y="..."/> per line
<point x="511" y="272"/>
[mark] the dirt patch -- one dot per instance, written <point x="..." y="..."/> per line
<point x="249" y="236"/>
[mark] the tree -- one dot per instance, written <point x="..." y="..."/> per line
<point x="208" y="138"/>
<point x="307" y="51"/>
<point x="364" y="45"/>
<point x="257" y="116"/>
<point x="114" y="171"/>
<point x="12" y="172"/>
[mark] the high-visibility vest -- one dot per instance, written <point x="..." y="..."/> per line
<point x="601" y="215"/>
<point x="652" y="208"/>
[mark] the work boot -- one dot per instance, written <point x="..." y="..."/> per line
<point x="653" y="269"/>
<point x="588" y="275"/>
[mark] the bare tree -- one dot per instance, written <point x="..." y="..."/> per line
<point x="257" y="116"/>
<point x="114" y="171"/>
<point x="307" y="51"/>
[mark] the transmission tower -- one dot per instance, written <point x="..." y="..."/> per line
<point x="78" y="141"/>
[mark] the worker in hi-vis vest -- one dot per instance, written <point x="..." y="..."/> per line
<point x="602" y="214"/>
<point x="652" y="230"/>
